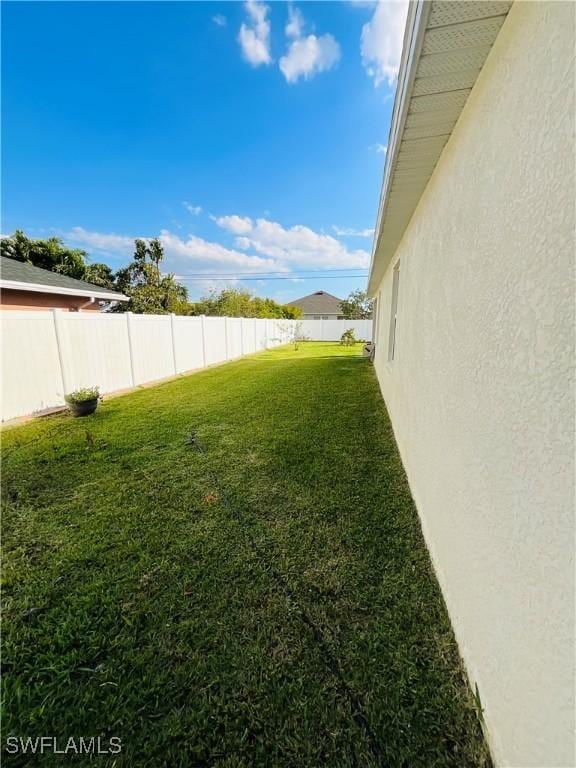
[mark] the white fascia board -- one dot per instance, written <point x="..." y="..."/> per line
<point x="416" y="22"/>
<point x="37" y="288"/>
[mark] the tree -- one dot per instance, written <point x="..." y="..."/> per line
<point x="291" y="333"/>
<point x="141" y="280"/>
<point x="51" y="254"/>
<point x="100" y="274"/>
<point x="357" y="306"/>
<point x="16" y="247"/>
<point x="150" y="292"/>
<point x="234" y="302"/>
<point x="348" y="338"/>
<point x="291" y="313"/>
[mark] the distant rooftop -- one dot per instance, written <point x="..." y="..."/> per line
<point x="318" y="303"/>
<point x="18" y="275"/>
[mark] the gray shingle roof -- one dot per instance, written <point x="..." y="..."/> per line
<point x="12" y="271"/>
<point x="319" y="303"/>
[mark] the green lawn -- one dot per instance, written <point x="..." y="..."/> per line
<point x="228" y="570"/>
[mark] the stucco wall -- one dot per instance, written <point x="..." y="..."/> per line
<point x="34" y="300"/>
<point x="481" y="390"/>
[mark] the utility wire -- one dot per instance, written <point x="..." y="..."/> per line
<point x="240" y="277"/>
<point x="278" y="272"/>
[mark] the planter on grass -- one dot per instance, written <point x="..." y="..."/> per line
<point x="83" y="402"/>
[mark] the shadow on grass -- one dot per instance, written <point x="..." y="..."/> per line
<point x="157" y="573"/>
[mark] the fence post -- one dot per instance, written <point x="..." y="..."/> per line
<point x="130" y="347"/>
<point x="173" y="336"/>
<point x="58" y="333"/>
<point x="241" y="337"/>
<point x="203" y="341"/>
<point x="321" y="329"/>
<point x="226" y="337"/>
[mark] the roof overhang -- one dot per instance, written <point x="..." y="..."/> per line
<point x="103" y="295"/>
<point x="445" y="46"/>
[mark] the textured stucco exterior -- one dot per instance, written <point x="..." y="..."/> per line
<point x="34" y="300"/>
<point x="481" y="390"/>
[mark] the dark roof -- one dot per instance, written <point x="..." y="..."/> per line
<point x="319" y="303"/>
<point x="20" y="272"/>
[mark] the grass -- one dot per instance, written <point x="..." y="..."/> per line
<point x="228" y="570"/>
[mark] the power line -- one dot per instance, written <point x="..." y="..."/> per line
<point x="240" y="277"/>
<point x="277" y="272"/>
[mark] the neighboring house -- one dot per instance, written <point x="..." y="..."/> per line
<point x="25" y="287"/>
<point x="319" y="306"/>
<point x="473" y="275"/>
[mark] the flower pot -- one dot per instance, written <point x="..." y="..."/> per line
<point x="83" y="409"/>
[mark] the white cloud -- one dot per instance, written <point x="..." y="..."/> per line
<point x="205" y="254"/>
<point x="179" y="251"/>
<point x="349" y="232"/>
<point x="254" y="36"/>
<point x="381" y="148"/>
<point x="301" y="245"/>
<point x="298" y="245"/>
<point x="219" y="20"/>
<point x="306" y="56"/>
<point x="260" y="246"/>
<point x="295" y="22"/>
<point x="195" y="210"/>
<point x="238" y="225"/>
<point x="101" y="241"/>
<point x="381" y="42"/>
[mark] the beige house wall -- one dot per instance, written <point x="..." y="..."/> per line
<point x="36" y="300"/>
<point x="481" y="390"/>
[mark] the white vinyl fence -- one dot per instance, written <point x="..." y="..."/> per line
<point x="47" y="354"/>
<point x="332" y="330"/>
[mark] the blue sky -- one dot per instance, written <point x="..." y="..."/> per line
<point x="248" y="136"/>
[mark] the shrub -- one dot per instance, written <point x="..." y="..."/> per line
<point x="348" y="338"/>
<point x="82" y="395"/>
<point x="292" y="333"/>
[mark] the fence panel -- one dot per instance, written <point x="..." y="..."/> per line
<point x="188" y="343"/>
<point x="234" y="325"/>
<point x="248" y="344"/>
<point x="261" y="335"/>
<point x="269" y="330"/>
<point x="94" y="351"/>
<point x="31" y="376"/>
<point x="46" y="354"/>
<point x="332" y="330"/>
<point x="151" y="337"/>
<point x="215" y="339"/>
<point x="280" y="331"/>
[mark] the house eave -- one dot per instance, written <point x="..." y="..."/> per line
<point x="413" y="35"/>
<point x="445" y="47"/>
<point x="14" y="285"/>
